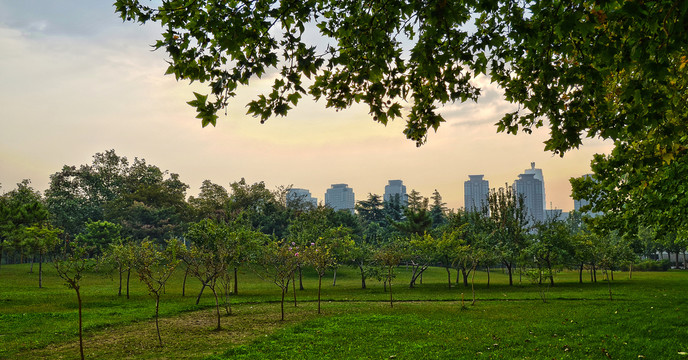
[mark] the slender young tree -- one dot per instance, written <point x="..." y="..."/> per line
<point x="388" y="257"/>
<point x="71" y="267"/>
<point x="155" y="266"/>
<point x="320" y="257"/>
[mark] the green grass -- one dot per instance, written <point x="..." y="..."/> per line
<point x="646" y="318"/>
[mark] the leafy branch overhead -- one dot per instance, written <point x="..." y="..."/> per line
<point x="586" y="67"/>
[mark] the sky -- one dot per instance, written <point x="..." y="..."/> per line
<point x="76" y="80"/>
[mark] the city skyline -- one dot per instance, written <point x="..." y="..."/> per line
<point x="77" y="81"/>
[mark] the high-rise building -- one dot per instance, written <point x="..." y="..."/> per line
<point x="394" y="188"/>
<point x="340" y="197"/>
<point x="475" y="193"/>
<point x="531" y="189"/>
<point x="300" y="197"/>
<point x="538" y="175"/>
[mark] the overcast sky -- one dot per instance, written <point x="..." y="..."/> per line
<point x="77" y="81"/>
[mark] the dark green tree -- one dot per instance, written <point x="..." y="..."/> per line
<point x="79" y="194"/>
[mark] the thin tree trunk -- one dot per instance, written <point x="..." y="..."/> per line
<point x="236" y="281"/>
<point x="457" y="276"/>
<point x="363" y="279"/>
<point x="128" y="276"/>
<point x="81" y="338"/>
<point x="40" y="271"/>
<point x="293" y="283"/>
<point x="334" y="278"/>
<point x="157" y="325"/>
<point x="300" y="279"/>
<point x="630" y="271"/>
<point x="612" y="272"/>
<point x="119" y="291"/>
<point x="448" y="277"/>
<point x="465" y="276"/>
<point x="488" y="276"/>
<point x="284" y="289"/>
<point x="580" y="274"/>
<point x="217" y="307"/>
<point x="198" y="299"/>
<point x="473" y="285"/>
<point x="186" y="273"/>
<point x="389" y="276"/>
<point x="319" y="287"/>
<point x="609" y="285"/>
<point x="594" y="272"/>
<point x="511" y="281"/>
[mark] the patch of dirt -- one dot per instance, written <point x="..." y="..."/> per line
<point x="187" y="336"/>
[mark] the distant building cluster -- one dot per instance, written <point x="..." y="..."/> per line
<point x="530" y="185"/>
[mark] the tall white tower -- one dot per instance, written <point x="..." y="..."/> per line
<point x="538" y="176"/>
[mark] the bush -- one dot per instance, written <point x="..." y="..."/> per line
<point x="652" y="265"/>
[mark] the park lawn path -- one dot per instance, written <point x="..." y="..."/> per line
<point x="191" y="335"/>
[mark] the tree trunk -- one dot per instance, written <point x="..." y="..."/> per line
<point x="630" y="271"/>
<point x="549" y="268"/>
<point x="186" y="273"/>
<point x="465" y="276"/>
<point x="511" y="281"/>
<point x="284" y="289"/>
<point x="473" y="284"/>
<point x="448" y="277"/>
<point x="580" y="274"/>
<point x="457" y="276"/>
<point x="319" y="287"/>
<point x="488" y="276"/>
<point x="198" y="299"/>
<point x="594" y="272"/>
<point x="157" y="325"/>
<point x="300" y="279"/>
<point x="384" y="284"/>
<point x="612" y="272"/>
<point x="609" y="285"/>
<point x="217" y="307"/>
<point x="389" y="276"/>
<point x="334" y="278"/>
<point x="40" y="271"/>
<point x="236" y="281"/>
<point x="421" y="278"/>
<point x="119" y="291"/>
<point x="363" y="278"/>
<point x="293" y="284"/>
<point x="128" y="276"/>
<point x="81" y="338"/>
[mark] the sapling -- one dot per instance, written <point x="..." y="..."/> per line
<point x="71" y="266"/>
<point x="155" y="266"/>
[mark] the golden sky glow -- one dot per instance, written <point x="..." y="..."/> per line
<point x="76" y="81"/>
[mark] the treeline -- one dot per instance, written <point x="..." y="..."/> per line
<point x="113" y="198"/>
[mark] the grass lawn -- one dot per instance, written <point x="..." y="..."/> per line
<point x="646" y="319"/>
